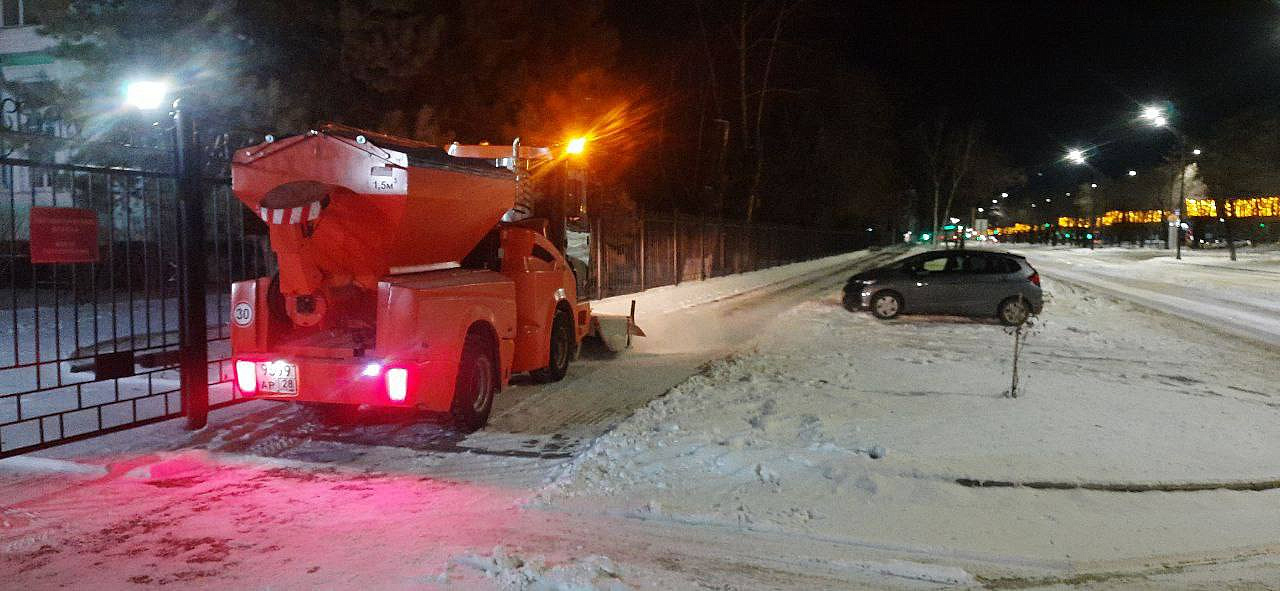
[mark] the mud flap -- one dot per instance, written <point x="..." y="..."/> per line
<point x="615" y="331"/>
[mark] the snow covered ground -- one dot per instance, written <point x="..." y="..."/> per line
<point x="838" y="426"/>
<point x="760" y="437"/>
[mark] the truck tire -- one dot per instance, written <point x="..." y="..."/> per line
<point x="561" y="351"/>
<point x="476" y="384"/>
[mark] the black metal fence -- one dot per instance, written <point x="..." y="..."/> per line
<point x="632" y="254"/>
<point x="91" y="347"/>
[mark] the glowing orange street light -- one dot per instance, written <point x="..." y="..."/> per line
<point x="576" y="145"/>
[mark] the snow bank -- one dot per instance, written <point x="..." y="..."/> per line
<point x="32" y="464"/>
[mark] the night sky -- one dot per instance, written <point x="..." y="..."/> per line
<point x="1047" y="75"/>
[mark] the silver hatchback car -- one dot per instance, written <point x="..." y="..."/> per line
<point x="964" y="282"/>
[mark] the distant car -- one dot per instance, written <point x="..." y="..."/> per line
<point x="963" y="282"/>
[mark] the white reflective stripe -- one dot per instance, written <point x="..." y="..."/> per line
<point x="277" y="216"/>
<point x="314" y="212"/>
<point x="425" y="268"/>
<point x="264" y="213"/>
<point x="295" y="215"/>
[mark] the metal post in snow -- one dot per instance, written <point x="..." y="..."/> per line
<point x="193" y="338"/>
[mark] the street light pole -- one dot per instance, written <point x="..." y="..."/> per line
<point x="1182" y="193"/>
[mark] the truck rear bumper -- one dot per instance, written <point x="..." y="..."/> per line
<point x="351" y="381"/>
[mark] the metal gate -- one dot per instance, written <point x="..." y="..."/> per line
<point x="92" y="347"/>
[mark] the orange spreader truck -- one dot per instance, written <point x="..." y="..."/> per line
<point x="399" y="283"/>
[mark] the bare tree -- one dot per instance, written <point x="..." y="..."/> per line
<point x="948" y="153"/>
<point x="1240" y="161"/>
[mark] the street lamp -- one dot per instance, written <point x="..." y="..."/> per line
<point x="146" y="95"/>
<point x="193" y="343"/>
<point x="574" y="149"/>
<point x="1076" y="156"/>
<point x="1195" y="152"/>
<point x="1155" y="115"/>
<point x="1133" y="173"/>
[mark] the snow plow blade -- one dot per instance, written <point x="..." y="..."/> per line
<point x="615" y="331"/>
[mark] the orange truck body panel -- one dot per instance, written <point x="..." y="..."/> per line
<point x="345" y="214"/>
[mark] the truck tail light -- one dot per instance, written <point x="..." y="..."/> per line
<point x="247" y="376"/>
<point x="1035" y="278"/>
<point x="397" y="384"/>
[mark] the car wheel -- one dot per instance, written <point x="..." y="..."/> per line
<point x="852" y="301"/>
<point x="476" y="383"/>
<point x="886" y="305"/>
<point x="1013" y="311"/>
<point x="561" y="350"/>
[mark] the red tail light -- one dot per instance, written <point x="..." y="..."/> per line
<point x="1035" y="278"/>
<point x="247" y="376"/>
<point x="397" y="384"/>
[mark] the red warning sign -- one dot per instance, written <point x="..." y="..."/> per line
<point x="64" y="235"/>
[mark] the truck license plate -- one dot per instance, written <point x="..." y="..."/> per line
<point x="278" y="377"/>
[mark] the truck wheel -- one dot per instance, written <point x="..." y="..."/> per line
<point x="473" y="394"/>
<point x="561" y="350"/>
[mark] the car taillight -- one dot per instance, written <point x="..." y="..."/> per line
<point x="247" y="376"/>
<point x="397" y="383"/>
<point x="1035" y="278"/>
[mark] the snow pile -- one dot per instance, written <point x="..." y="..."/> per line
<point x="743" y="424"/>
<point x="511" y="571"/>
